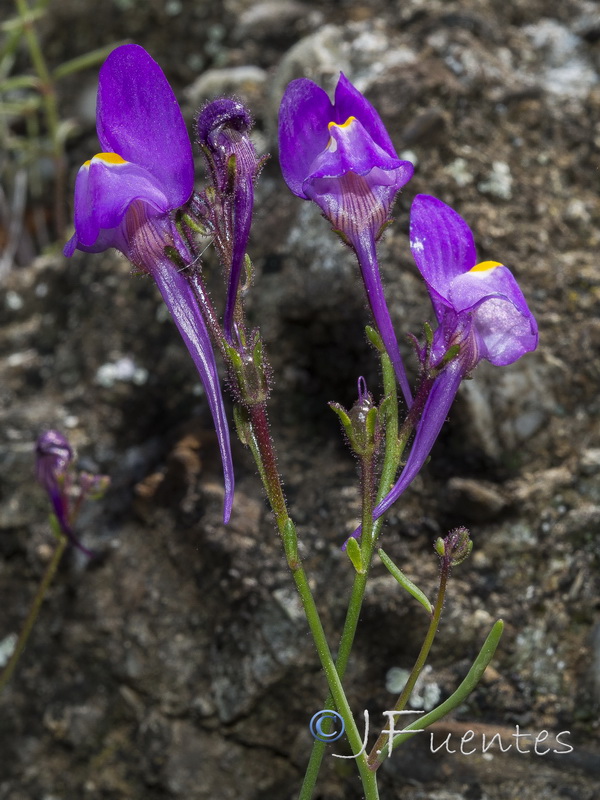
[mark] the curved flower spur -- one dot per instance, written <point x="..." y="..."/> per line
<point x="341" y="156"/>
<point x="125" y="197"/>
<point x="481" y="314"/>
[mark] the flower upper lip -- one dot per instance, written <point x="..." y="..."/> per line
<point x="139" y="118"/>
<point x="305" y="132"/>
<point x="140" y="125"/>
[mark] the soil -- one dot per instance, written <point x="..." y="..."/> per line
<point x="177" y="664"/>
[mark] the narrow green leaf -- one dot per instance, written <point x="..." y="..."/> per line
<point x="405" y="582"/>
<point x="460" y="695"/>
<point x="344" y="418"/>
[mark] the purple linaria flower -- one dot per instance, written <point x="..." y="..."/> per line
<point x="53" y="458"/>
<point x="125" y="196"/>
<point x="341" y="157"/>
<point x="223" y="134"/>
<point x="479" y="307"/>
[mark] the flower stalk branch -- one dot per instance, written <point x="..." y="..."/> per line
<point x="34" y="611"/>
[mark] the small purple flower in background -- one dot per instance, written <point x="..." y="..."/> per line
<point x="67" y="491"/>
<point x="125" y="198"/>
<point x="480" y="310"/>
<point x="53" y="458"/>
<point x="341" y="157"/>
<point x="223" y="135"/>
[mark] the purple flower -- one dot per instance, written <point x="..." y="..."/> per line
<point x="125" y="198"/>
<point x="480" y="309"/>
<point x="53" y="456"/>
<point x="341" y="157"/>
<point x="223" y="134"/>
<point x="53" y="459"/>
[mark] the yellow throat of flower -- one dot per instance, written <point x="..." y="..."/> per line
<point x="108" y="158"/>
<point x="484" y="266"/>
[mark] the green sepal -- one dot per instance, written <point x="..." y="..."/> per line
<point x="173" y="255"/>
<point x="371" y="423"/>
<point x="257" y="354"/>
<point x="405" y="582"/>
<point x="194" y="225"/>
<point x="354" y="553"/>
<point x="250" y="371"/>
<point x="428" y="333"/>
<point x="234" y="357"/>
<point x="343" y="236"/>
<point x="450" y="354"/>
<point x="460" y="695"/>
<point x="344" y="418"/>
<point x="242" y="424"/>
<point x="290" y="543"/>
<point x="375" y="339"/>
<point x="467" y="553"/>
<point x="388" y="223"/>
<point x="439" y="547"/>
<point x="249" y="271"/>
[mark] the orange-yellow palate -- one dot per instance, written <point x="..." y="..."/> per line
<point x="108" y="158"/>
<point x="349" y="121"/>
<point x="484" y="266"/>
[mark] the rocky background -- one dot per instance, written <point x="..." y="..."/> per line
<point x="178" y="664"/>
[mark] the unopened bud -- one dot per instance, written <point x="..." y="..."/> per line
<point x="455" y="547"/>
<point x="360" y="422"/>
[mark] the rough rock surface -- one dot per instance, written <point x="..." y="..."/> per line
<point x="178" y="664"/>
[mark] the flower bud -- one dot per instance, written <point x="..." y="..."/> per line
<point x="455" y="547"/>
<point x="360" y="422"/>
<point x="224" y="137"/>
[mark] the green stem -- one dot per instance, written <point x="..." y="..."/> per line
<point x="375" y="756"/>
<point x="335" y="684"/>
<point x="33" y="612"/>
<point x="263" y="450"/>
<point x="391" y="461"/>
